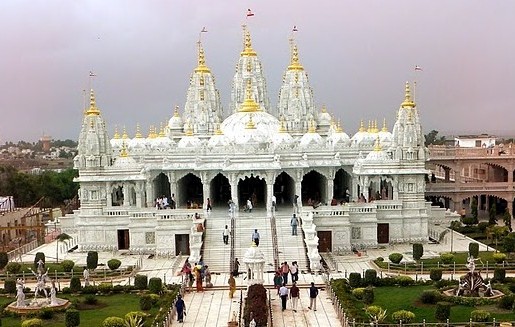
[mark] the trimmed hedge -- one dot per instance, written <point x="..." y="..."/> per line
<point x="370" y="277"/>
<point x="10" y="285"/>
<point x="354" y="279"/>
<point x="72" y="318"/>
<point x="114" y="264"/>
<point x="92" y="260"/>
<point x="75" y="285"/>
<point x="395" y="257"/>
<point x="67" y="265"/>
<point x="447" y="258"/>
<point x="140" y="282"/>
<point x="435" y="274"/>
<point x="443" y="311"/>
<point x="430" y="297"/>
<point x="256" y="305"/>
<point x="480" y="316"/>
<point x="368" y="295"/>
<point x="403" y="315"/>
<point x="13" y="268"/>
<point x="113" y="322"/>
<point x="474" y="249"/>
<point x="35" y="322"/>
<point x="155" y="285"/>
<point x="418" y="251"/>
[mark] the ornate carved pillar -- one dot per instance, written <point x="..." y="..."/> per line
<point x="270" y="178"/>
<point x="447" y="172"/>
<point x="149" y="190"/>
<point x="205" y="189"/>
<point x="126" y="194"/>
<point x="354" y="187"/>
<point x="395" y="188"/>
<point x="298" y="185"/>
<point x="139" y="194"/>
<point x="109" y="195"/>
<point x="329" y="192"/>
<point x="173" y="187"/>
<point x="233" y="180"/>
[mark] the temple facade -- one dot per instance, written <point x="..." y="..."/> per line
<point x="367" y="189"/>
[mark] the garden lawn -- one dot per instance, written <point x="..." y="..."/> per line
<point x="395" y="298"/>
<point x="110" y="305"/>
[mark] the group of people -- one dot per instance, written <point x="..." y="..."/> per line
<point x="294" y="295"/>
<point x="163" y="203"/>
<point x="198" y="274"/>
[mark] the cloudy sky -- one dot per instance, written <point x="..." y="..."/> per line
<point x="358" y="55"/>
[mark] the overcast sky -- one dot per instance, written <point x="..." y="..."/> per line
<point x="358" y="55"/>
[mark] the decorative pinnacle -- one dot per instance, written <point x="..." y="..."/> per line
<point x="377" y="145"/>
<point x="116" y="135"/>
<point x="138" y="132"/>
<point x="362" y="126"/>
<point x="176" y="111"/>
<point x="201" y="67"/>
<point x="123" y="151"/>
<point x="93" y="110"/>
<point x="339" y="128"/>
<point x="218" y="131"/>
<point x="312" y="127"/>
<point x="124" y="135"/>
<point x="408" y="103"/>
<point x="294" y="61"/>
<point x="250" y="123"/>
<point x="162" y="131"/>
<point x="189" y="130"/>
<point x="249" y="105"/>
<point x="384" y="129"/>
<point x="282" y="127"/>
<point x="247" y="43"/>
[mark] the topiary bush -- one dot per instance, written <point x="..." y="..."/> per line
<point x="114" y="264"/>
<point x="155" y="285"/>
<point x="370" y="277"/>
<point x="256" y="304"/>
<point x="67" y="265"/>
<point x="443" y="311"/>
<point x="72" y="318"/>
<point x="447" y="258"/>
<point x="113" y="322"/>
<point x="145" y="303"/>
<point x="499" y="257"/>
<point x="105" y="288"/>
<point x="404" y="280"/>
<point x="90" y="289"/>
<point x="480" y="316"/>
<point x="430" y="296"/>
<point x="140" y="282"/>
<point x="404" y="315"/>
<point x="75" y="285"/>
<point x="35" y="322"/>
<point x="13" y="268"/>
<point x="4" y="259"/>
<point x="474" y="249"/>
<point x="469" y="221"/>
<point x="499" y="274"/>
<point x="354" y="279"/>
<point x="138" y="314"/>
<point x="39" y="256"/>
<point x="506" y="302"/>
<point x="418" y="251"/>
<point x="482" y="226"/>
<point x="46" y="313"/>
<point x="368" y="295"/>
<point x="435" y="274"/>
<point x="358" y="292"/>
<point x="395" y="257"/>
<point x="90" y="299"/>
<point x="92" y="260"/>
<point x="10" y="285"/>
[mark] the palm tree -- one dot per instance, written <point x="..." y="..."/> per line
<point x="61" y="238"/>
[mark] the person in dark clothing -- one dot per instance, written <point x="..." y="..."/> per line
<point x="313" y="293"/>
<point x="180" y="306"/>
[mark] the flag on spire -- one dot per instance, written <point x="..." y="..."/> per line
<point x="91" y="74"/>
<point x="418" y="68"/>
<point x="204" y="30"/>
<point x="295" y="28"/>
<point x="249" y="13"/>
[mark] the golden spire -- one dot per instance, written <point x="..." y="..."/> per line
<point x="362" y="127"/>
<point x="218" y="131"/>
<point x="294" y="61"/>
<point x="408" y="103"/>
<point x="339" y="128"/>
<point x="93" y="110"/>
<point x="384" y="129"/>
<point x="162" y="131"/>
<point x="123" y="151"/>
<point x="312" y="127"/>
<point x="282" y="127"/>
<point x="249" y="105"/>
<point x="376" y="130"/>
<point x="369" y="128"/>
<point x="138" y="132"/>
<point x="377" y="145"/>
<point x="176" y="111"/>
<point x="201" y="67"/>
<point x="247" y="43"/>
<point x="152" y="133"/>
<point x="189" y="130"/>
<point x="116" y="135"/>
<point x="124" y="135"/>
<point x="250" y="123"/>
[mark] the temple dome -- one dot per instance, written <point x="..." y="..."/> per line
<point x="175" y="123"/>
<point x="235" y="126"/>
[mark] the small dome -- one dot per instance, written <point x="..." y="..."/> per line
<point x="339" y="138"/>
<point x="124" y="162"/>
<point x="175" y="123"/>
<point x="218" y="140"/>
<point x="189" y="142"/>
<point x="162" y="142"/>
<point x="311" y="139"/>
<point x="236" y="124"/>
<point x="324" y="117"/>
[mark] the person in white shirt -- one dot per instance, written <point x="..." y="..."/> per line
<point x="283" y="293"/>
<point x="226" y="234"/>
<point x="249" y="205"/>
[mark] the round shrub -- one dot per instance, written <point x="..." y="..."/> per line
<point x="10" y="285"/>
<point x="39" y="256"/>
<point x="447" y="258"/>
<point x="90" y="289"/>
<point x="92" y="260"/>
<point x="155" y="285"/>
<point x="4" y="259"/>
<point x="443" y="311"/>
<point x="404" y="280"/>
<point x="105" y="288"/>
<point x="435" y="274"/>
<point x="499" y="257"/>
<point x="474" y="249"/>
<point x="380" y="259"/>
<point x="480" y="316"/>
<point x="430" y="296"/>
<point x="418" y="251"/>
<point x="72" y="318"/>
<point x="506" y="302"/>
<point x="90" y="299"/>
<point x="145" y="303"/>
<point x="482" y="226"/>
<point x="140" y="282"/>
<point x="499" y="274"/>
<point x="75" y="285"/>
<point x="404" y="315"/>
<point x="113" y="322"/>
<point x="138" y="314"/>
<point x="35" y="322"/>
<point x="13" y="267"/>
<point x="46" y="313"/>
<point x="395" y="257"/>
<point x="67" y="265"/>
<point x="368" y="295"/>
<point x="370" y="277"/>
<point x="358" y="293"/>
<point x="374" y="311"/>
<point x="354" y="279"/>
<point x="114" y="264"/>
<point x="66" y="290"/>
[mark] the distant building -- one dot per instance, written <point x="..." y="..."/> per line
<point x="475" y="141"/>
<point x="45" y="141"/>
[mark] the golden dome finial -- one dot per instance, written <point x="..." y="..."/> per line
<point x="294" y="61"/>
<point x="162" y="131"/>
<point x="93" y="110"/>
<point x="376" y="130"/>
<point x="247" y="43"/>
<point x="249" y="105"/>
<point x="250" y="123"/>
<point x="201" y="67"/>
<point x="218" y="131"/>
<point x="369" y="128"/>
<point x="138" y="132"/>
<point x="189" y="130"/>
<point x="407" y="103"/>
<point x="362" y="126"/>
<point x="324" y="109"/>
<point x="377" y="145"/>
<point x="123" y="151"/>
<point x="339" y="128"/>
<point x="176" y="111"/>
<point x="124" y="135"/>
<point x="282" y="127"/>
<point x="384" y="129"/>
<point x="116" y="135"/>
<point x="312" y="127"/>
<point x="152" y="132"/>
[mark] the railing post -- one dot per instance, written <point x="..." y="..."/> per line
<point x="423" y="322"/>
<point x="447" y="324"/>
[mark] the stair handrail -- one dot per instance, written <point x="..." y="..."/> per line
<point x="275" y="247"/>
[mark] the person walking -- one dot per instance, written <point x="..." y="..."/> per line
<point x="283" y="293"/>
<point x="294" y="296"/>
<point x="294" y="270"/>
<point x="208" y="206"/>
<point x="232" y="286"/>
<point x="285" y="269"/>
<point x="255" y="237"/>
<point x="236" y="268"/>
<point x="274" y="203"/>
<point x="313" y="293"/>
<point x="249" y="205"/>
<point x="226" y="234"/>
<point x="207" y="275"/>
<point x="278" y="281"/>
<point x="294" y="223"/>
<point x="180" y="306"/>
<point x="198" y="279"/>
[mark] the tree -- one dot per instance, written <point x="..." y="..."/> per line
<point x="61" y="238"/>
<point x="507" y="219"/>
<point x="497" y="232"/>
<point x="432" y="138"/>
<point x="492" y="215"/>
<point x="474" y="209"/>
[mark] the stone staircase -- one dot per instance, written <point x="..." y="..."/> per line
<point x="215" y="253"/>
<point x="291" y="248"/>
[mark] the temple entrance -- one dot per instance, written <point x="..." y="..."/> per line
<point x="314" y="187"/>
<point x="123" y="239"/>
<point x="182" y="244"/>
<point x="284" y="189"/>
<point x="161" y="187"/>
<point x="325" y="241"/>
<point x="253" y="188"/>
<point x="342" y="184"/>
<point x="117" y="196"/>
<point x="220" y="191"/>
<point x="383" y="233"/>
<point x="190" y="192"/>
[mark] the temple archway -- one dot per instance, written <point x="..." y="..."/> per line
<point x="342" y="183"/>
<point x="284" y="189"/>
<point x="117" y="196"/>
<point x="220" y="190"/>
<point x="253" y="188"/>
<point x="314" y="187"/>
<point x="190" y="191"/>
<point x="161" y="186"/>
